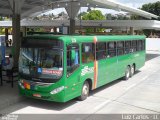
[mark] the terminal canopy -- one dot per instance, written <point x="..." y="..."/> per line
<point x="27" y="7"/>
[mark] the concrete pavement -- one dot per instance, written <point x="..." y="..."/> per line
<point x="8" y="95"/>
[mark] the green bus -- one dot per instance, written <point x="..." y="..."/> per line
<point x="60" y="68"/>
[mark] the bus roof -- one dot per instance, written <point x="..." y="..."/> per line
<point x="87" y="38"/>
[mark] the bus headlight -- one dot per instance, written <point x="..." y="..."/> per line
<point x="57" y="90"/>
<point x="20" y="84"/>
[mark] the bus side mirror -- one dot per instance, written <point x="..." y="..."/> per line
<point x="73" y="55"/>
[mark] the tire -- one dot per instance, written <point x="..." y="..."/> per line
<point x="132" y="70"/>
<point x="127" y="73"/>
<point x="84" y="92"/>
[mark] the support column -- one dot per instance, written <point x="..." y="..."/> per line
<point x="55" y="29"/>
<point x="126" y="30"/>
<point x="72" y="26"/>
<point x="131" y="30"/>
<point x="15" y="6"/>
<point x="72" y="10"/>
<point x="16" y="38"/>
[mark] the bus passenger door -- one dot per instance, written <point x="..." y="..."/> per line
<point x="73" y="71"/>
<point x="121" y="58"/>
<point x="111" y="65"/>
<point x="111" y="62"/>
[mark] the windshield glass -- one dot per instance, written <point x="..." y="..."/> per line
<point x="41" y="64"/>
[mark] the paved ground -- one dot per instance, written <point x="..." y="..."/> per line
<point x="140" y="94"/>
<point x="8" y="95"/>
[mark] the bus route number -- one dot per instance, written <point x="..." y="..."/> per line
<point x="74" y="40"/>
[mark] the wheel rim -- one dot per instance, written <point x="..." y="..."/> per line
<point x="85" y="90"/>
<point x="132" y="70"/>
<point x="127" y="73"/>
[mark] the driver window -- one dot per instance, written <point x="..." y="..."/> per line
<point x="72" y="58"/>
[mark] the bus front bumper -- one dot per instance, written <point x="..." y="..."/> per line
<point x="59" y="97"/>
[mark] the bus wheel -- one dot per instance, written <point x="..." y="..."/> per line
<point x="127" y="73"/>
<point x="132" y="71"/>
<point x="85" y="91"/>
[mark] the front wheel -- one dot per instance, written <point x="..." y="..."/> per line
<point x="85" y="91"/>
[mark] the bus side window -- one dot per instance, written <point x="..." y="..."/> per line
<point x="134" y="45"/>
<point x="128" y="48"/>
<point x="120" y="48"/>
<point x="100" y="50"/>
<point x="87" y="52"/>
<point x="140" y="45"/>
<point x="111" y="49"/>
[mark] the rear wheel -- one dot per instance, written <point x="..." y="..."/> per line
<point x="132" y="70"/>
<point x="127" y="73"/>
<point x="85" y="91"/>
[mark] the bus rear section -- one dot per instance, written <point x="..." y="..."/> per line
<point x="110" y="58"/>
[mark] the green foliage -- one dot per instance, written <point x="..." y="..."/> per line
<point x="153" y="8"/>
<point x="117" y="17"/>
<point x="2" y="31"/>
<point x="147" y="32"/>
<point x="81" y="15"/>
<point x="36" y="29"/>
<point x="93" y="15"/>
<point x="135" y="17"/>
<point x="1" y="18"/>
<point x="39" y="29"/>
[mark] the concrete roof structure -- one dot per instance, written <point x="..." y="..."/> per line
<point x="29" y="7"/>
<point x="138" y="24"/>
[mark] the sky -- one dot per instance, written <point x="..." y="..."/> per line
<point x="131" y="3"/>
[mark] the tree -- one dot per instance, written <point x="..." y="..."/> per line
<point x="117" y="17"/>
<point x="81" y="15"/>
<point x="153" y="8"/>
<point x="1" y="18"/>
<point x="93" y="15"/>
<point x="2" y="30"/>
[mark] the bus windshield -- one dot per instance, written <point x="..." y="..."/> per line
<point x="41" y="64"/>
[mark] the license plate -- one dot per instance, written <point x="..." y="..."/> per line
<point x="37" y="95"/>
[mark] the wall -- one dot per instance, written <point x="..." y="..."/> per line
<point x="153" y="44"/>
